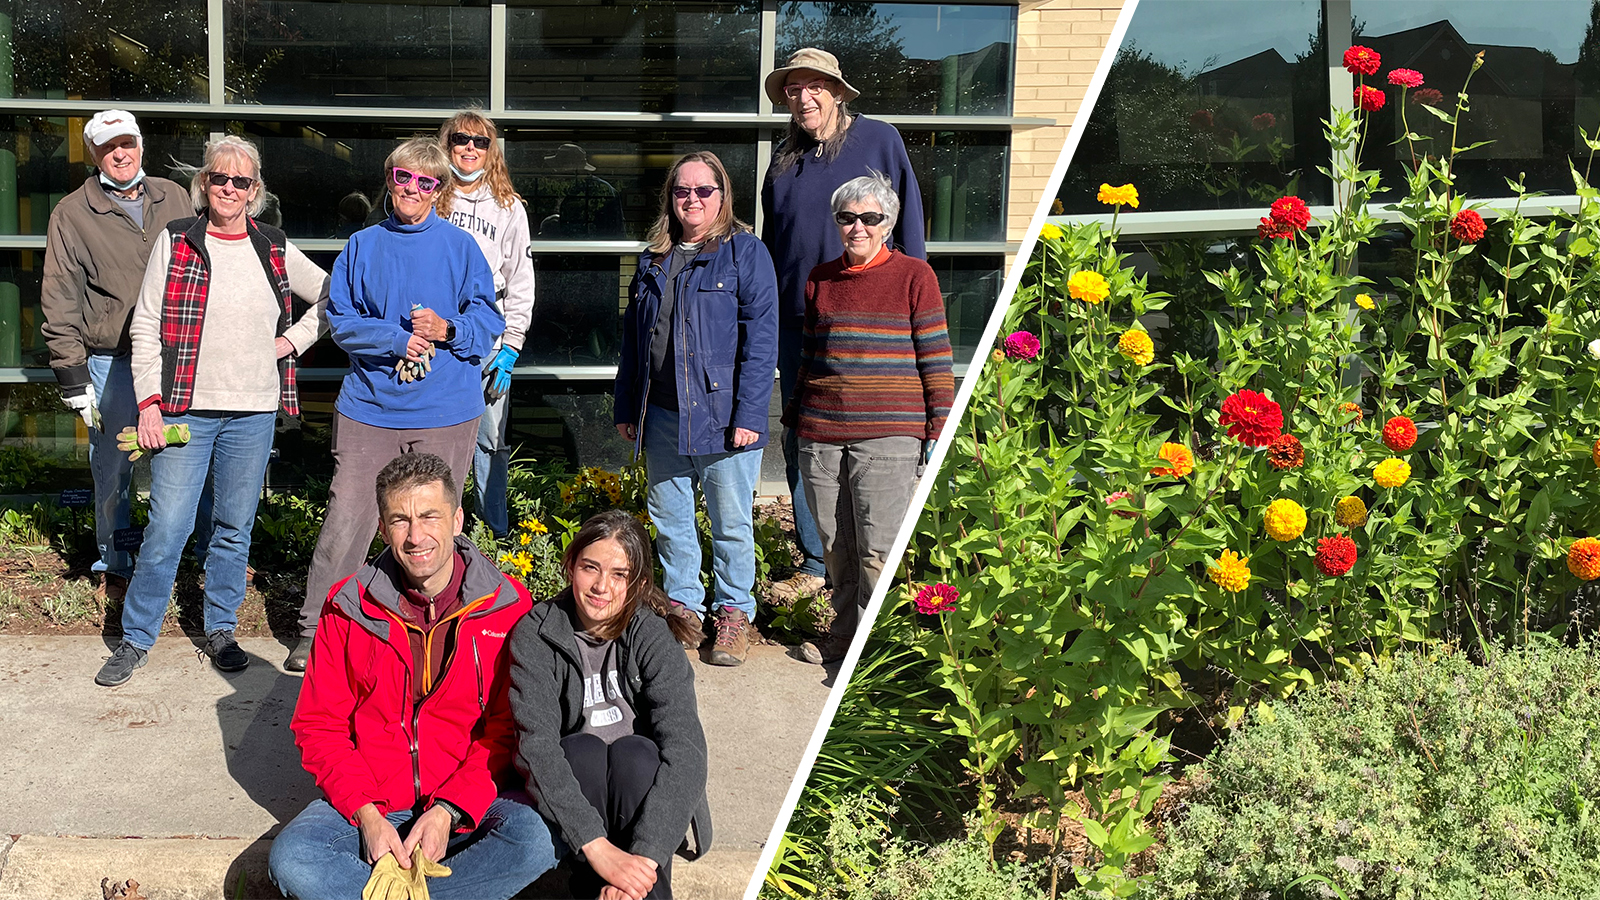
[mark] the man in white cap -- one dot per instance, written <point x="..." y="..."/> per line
<point x="94" y="260"/>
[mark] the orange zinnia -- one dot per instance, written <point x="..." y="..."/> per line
<point x="1179" y="456"/>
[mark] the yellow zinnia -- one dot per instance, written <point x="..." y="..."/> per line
<point x="1350" y="512"/>
<point x="1391" y="473"/>
<point x="1231" y="573"/>
<point x="1365" y="301"/>
<point x="1286" y="520"/>
<point x="1090" y="287"/>
<point x="1127" y="195"/>
<point x="1051" y="232"/>
<point x="1137" y="346"/>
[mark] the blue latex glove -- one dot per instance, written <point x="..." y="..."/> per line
<point x="500" y="381"/>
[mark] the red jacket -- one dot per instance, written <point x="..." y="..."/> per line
<point x="359" y="733"/>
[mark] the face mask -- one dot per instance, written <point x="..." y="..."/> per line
<point x="106" y="180"/>
<point x="466" y="177"/>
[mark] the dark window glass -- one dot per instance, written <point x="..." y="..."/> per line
<point x="962" y="176"/>
<point x="912" y="58"/>
<point x="32" y="417"/>
<point x="21" y="341"/>
<point x="638" y="57"/>
<point x="357" y="54"/>
<point x="137" y="50"/>
<point x="1210" y="105"/>
<point x="577" y="317"/>
<point x="1539" y="84"/>
<point x="970" y="285"/>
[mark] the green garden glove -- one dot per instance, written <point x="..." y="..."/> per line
<point x="128" y="439"/>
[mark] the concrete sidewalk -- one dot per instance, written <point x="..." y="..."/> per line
<point x="180" y="778"/>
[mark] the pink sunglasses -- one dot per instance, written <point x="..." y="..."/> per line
<point x="402" y="177"/>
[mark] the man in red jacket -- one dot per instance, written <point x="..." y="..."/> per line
<point x="404" y="716"/>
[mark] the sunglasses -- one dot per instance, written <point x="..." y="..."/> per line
<point x="868" y="219"/>
<point x="240" y="182"/>
<point x="403" y="177"/>
<point x="461" y="139"/>
<point x="704" y="191"/>
<point x="813" y="88"/>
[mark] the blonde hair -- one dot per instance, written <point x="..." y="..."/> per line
<point x="237" y="147"/>
<point x="421" y="155"/>
<point x="495" y="172"/>
<point x="668" y="231"/>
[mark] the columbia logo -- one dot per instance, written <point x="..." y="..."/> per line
<point x="494" y="634"/>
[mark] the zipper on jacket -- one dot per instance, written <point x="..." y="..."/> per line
<point x="684" y="402"/>
<point x="477" y="665"/>
<point x="444" y="668"/>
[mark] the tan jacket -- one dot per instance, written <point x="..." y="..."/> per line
<point x="94" y="263"/>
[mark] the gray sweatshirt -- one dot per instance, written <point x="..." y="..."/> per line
<point x="502" y="235"/>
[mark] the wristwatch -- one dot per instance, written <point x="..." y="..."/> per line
<point x="449" y="332"/>
<point x="455" y="814"/>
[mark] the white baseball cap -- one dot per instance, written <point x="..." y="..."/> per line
<point x="111" y="123"/>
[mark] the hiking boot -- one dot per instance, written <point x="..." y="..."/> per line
<point x="733" y="637"/>
<point x="119" y="667"/>
<point x="679" y="611"/>
<point x="825" y="650"/>
<point x="112" y="588"/>
<point x="791" y="589"/>
<point x="299" y="655"/>
<point x="224" y="651"/>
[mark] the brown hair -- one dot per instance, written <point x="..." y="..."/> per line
<point x="667" y="230"/>
<point x="614" y="524"/>
<point x="495" y="172"/>
<point x="413" y="470"/>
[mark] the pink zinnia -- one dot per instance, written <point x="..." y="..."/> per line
<point x="1406" y="78"/>
<point x="1021" y="345"/>
<point x="1428" y="97"/>
<point x="1118" y="497"/>
<point x="1264" y="121"/>
<point x="935" y="599"/>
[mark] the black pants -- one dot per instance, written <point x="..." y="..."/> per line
<point x="615" y="780"/>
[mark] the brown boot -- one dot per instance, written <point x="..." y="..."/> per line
<point x="679" y="611"/>
<point x="786" y="592"/>
<point x="825" y="650"/>
<point x="112" y="588"/>
<point x="733" y="637"/>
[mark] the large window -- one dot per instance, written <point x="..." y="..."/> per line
<point x="93" y="50"/>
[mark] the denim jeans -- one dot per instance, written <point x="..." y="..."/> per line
<point x="491" y="461"/>
<point x="318" y="854"/>
<point x="112" y="377"/>
<point x="805" y="521"/>
<point x="729" y="483"/>
<point x="234" y="451"/>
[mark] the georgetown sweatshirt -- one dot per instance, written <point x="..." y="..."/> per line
<point x="502" y="235"/>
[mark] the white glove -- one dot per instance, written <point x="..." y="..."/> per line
<point x="84" y="405"/>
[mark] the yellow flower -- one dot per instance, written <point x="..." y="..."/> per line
<point x="1136" y="345"/>
<point x="1286" y="520"/>
<point x="1051" y="232"/>
<point x="1090" y="287"/>
<point x="1350" y="512"/>
<point x="998" y="356"/>
<point x="525" y="539"/>
<point x="1127" y="195"/>
<point x="1231" y="573"/>
<point x="1391" y="473"/>
<point x="535" y="526"/>
<point x="1365" y="301"/>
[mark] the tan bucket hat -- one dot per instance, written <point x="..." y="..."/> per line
<point x="817" y="61"/>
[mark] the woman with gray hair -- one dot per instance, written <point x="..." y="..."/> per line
<point x="214" y="340"/>
<point x="873" y="392"/>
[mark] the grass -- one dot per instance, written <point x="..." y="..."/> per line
<point x="75" y="602"/>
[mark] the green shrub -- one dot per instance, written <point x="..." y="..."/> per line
<point x="1425" y="776"/>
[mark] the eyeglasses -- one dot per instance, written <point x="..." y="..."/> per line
<point x="792" y="91"/>
<point x="703" y="191"/>
<point x="461" y="139"/>
<point x="402" y="177"/>
<point x="240" y="182"/>
<point x="868" y="219"/>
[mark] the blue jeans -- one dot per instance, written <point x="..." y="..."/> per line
<point x="318" y="854"/>
<point x="112" y="377"/>
<point x="234" y="451"/>
<point x="805" y="523"/>
<point x="729" y="483"/>
<point x="491" y="461"/>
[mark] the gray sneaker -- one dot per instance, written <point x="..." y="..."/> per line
<point x="119" y="668"/>
<point x="224" y="651"/>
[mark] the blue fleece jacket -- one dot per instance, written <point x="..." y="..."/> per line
<point x="798" y="227"/>
<point x="383" y="272"/>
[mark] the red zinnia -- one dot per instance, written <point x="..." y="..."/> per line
<point x="1369" y="98"/>
<point x="934" y="599"/>
<point x="1359" y="60"/>
<point x="1467" y="227"/>
<point x="1270" y="230"/>
<point x="1264" y="121"/>
<point x="1406" y="78"/>
<point x="1252" y="418"/>
<point x="1201" y="119"/>
<point x="1291" y="211"/>
<point x="1286" y="452"/>
<point x="1428" y="97"/>
<point x="1335" y="555"/>
<point x="1399" y="433"/>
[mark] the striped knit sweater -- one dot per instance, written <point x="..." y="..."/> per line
<point x="875" y="358"/>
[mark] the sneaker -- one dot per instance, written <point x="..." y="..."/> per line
<point x="112" y="588"/>
<point x="825" y="650"/>
<point x="119" y="668"/>
<point x="679" y="611"/>
<point x="299" y="656"/>
<point x="733" y="637"/>
<point x="791" y="589"/>
<point x="224" y="651"/>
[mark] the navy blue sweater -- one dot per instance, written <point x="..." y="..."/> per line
<point x="798" y="228"/>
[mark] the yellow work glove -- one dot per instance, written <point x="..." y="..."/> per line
<point x="423" y="868"/>
<point x="388" y="882"/>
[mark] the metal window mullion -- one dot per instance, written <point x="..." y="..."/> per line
<point x="1341" y="88"/>
<point x="766" y="136"/>
<point x="497" y="58"/>
<point x="216" y="49"/>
